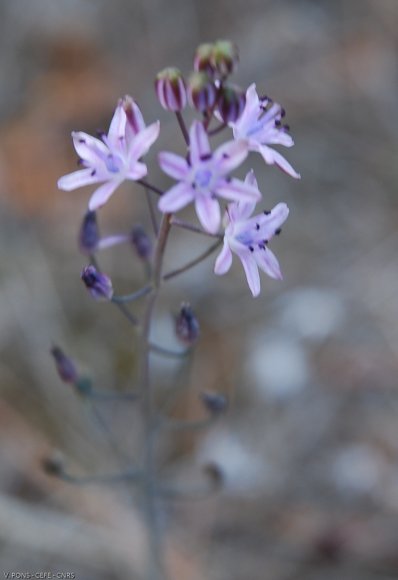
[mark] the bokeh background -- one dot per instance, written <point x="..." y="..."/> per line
<point x="309" y="449"/>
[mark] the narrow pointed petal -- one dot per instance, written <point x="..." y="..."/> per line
<point x="243" y="210"/>
<point x="236" y="190"/>
<point x="176" y="198"/>
<point x="251" y="271"/>
<point x="143" y="140"/>
<point x="137" y="171"/>
<point x="89" y="148"/>
<point x="77" y="179"/>
<point x="173" y="165"/>
<point x="224" y="260"/>
<point x="199" y="145"/>
<point x="270" y="222"/>
<point x="208" y="212"/>
<point x="231" y="155"/>
<point x="250" y="112"/>
<point x="272" y="157"/>
<point x="267" y="261"/>
<point x="102" y="194"/>
<point x="117" y="128"/>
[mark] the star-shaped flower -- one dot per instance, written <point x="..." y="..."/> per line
<point x="248" y="238"/>
<point x="114" y="157"/>
<point x="204" y="177"/>
<point x="261" y="126"/>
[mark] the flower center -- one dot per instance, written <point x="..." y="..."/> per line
<point x="203" y="178"/>
<point x="113" y="164"/>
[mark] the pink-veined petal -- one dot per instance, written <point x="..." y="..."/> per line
<point x="230" y="155"/>
<point x="89" y="148"/>
<point x="77" y="179"/>
<point x="251" y="271"/>
<point x="224" y="260"/>
<point x="272" y="157"/>
<point x="102" y="194"/>
<point x="199" y="145"/>
<point x="173" y="165"/>
<point x="208" y="212"/>
<point x="236" y="190"/>
<point x="267" y="261"/>
<point x="143" y="140"/>
<point x="117" y="128"/>
<point x="176" y="198"/>
<point x="137" y="171"/>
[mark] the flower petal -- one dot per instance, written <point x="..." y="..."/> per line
<point x="89" y="148"/>
<point x="250" y="113"/>
<point x="77" y="179"/>
<point x="236" y="190"/>
<point x="143" y="140"/>
<point x="272" y="157"/>
<point x="267" y="261"/>
<point x="269" y="222"/>
<point x="208" y="212"/>
<point x="224" y="260"/>
<point x="173" y="165"/>
<point x="176" y="198"/>
<point x="199" y="145"/>
<point x="117" y="128"/>
<point x="137" y="171"/>
<point x="102" y="194"/>
<point x="231" y="155"/>
<point x="251" y="270"/>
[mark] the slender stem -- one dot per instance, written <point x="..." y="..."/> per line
<point x="193" y="228"/>
<point x="131" y="297"/>
<point x="157" y="349"/>
<point x="127" y="314"/>
<point x="150" y="186"/>
<point x="155" y="566"/>
<point x="217" y="129"/>
<point x="109" y="396"/>
<point x="192" y="263"/>
<point x="152" y="213"/>
<point x="183" y="127"/>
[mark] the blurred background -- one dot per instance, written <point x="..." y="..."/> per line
<point x="309" y="448"/>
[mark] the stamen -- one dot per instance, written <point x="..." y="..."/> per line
<point x="257" y="227"/>
<point x="251" y="248"/>
<point x="278" y="231"/>
<point x="206" y="157"/>
<point x="266" y="212"/>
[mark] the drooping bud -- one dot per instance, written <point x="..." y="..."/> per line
<point x="187" y="325"/>
<point x="141" y="242"/>
<point x="202" y="92"/>
<point x="231" y="103"/>
<point x="215" y="403"/>
<point x="89" y="233"/>
<point x="98" y="284"/>
<point x="203" y="59"/>
<point x="170" y="89"/>
<point x="225" y="57"/>
<point x="66" y="368"/>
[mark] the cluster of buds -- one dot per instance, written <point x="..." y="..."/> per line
<point x="206" y="89"/>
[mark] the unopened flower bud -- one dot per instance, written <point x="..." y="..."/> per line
<point x="65" y="366"/>
<point x="225" y="57"/>
<point x="202" y="92"/>
<point x="203" y="59"/>
<point x="187" y="325"/>
<point x="170" y="89"/>
<point x="141" y="242"/>
<point x="231" y="103"/>
<point x="215" y="403"/>
<point x="134" y="116"/>
<point x="89" y="233"/>
<point x="99" y="285"/>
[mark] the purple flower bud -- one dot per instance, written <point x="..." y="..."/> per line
<point x="99" y="285"/>
<point x="141" y="242"/>
<point x="170" y="89"/>
<point x="65" y="366"/>
<point x="231" y="103"/>
<point x="215" y="403"/>
<point x="203" y="59"/>
<point x="224" y="57"/>
<point x="187" y="325"/>
<point x="89" y="233"/>
<point x="202" y="91"/>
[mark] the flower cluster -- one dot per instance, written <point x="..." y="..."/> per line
<point x="204" y="176"/>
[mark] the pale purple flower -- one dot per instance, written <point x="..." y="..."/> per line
<point x="261" y="126"/>
<point x="113" y="158"/>
<point x="248" y="238"/>
<point x="203" y="178"/>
